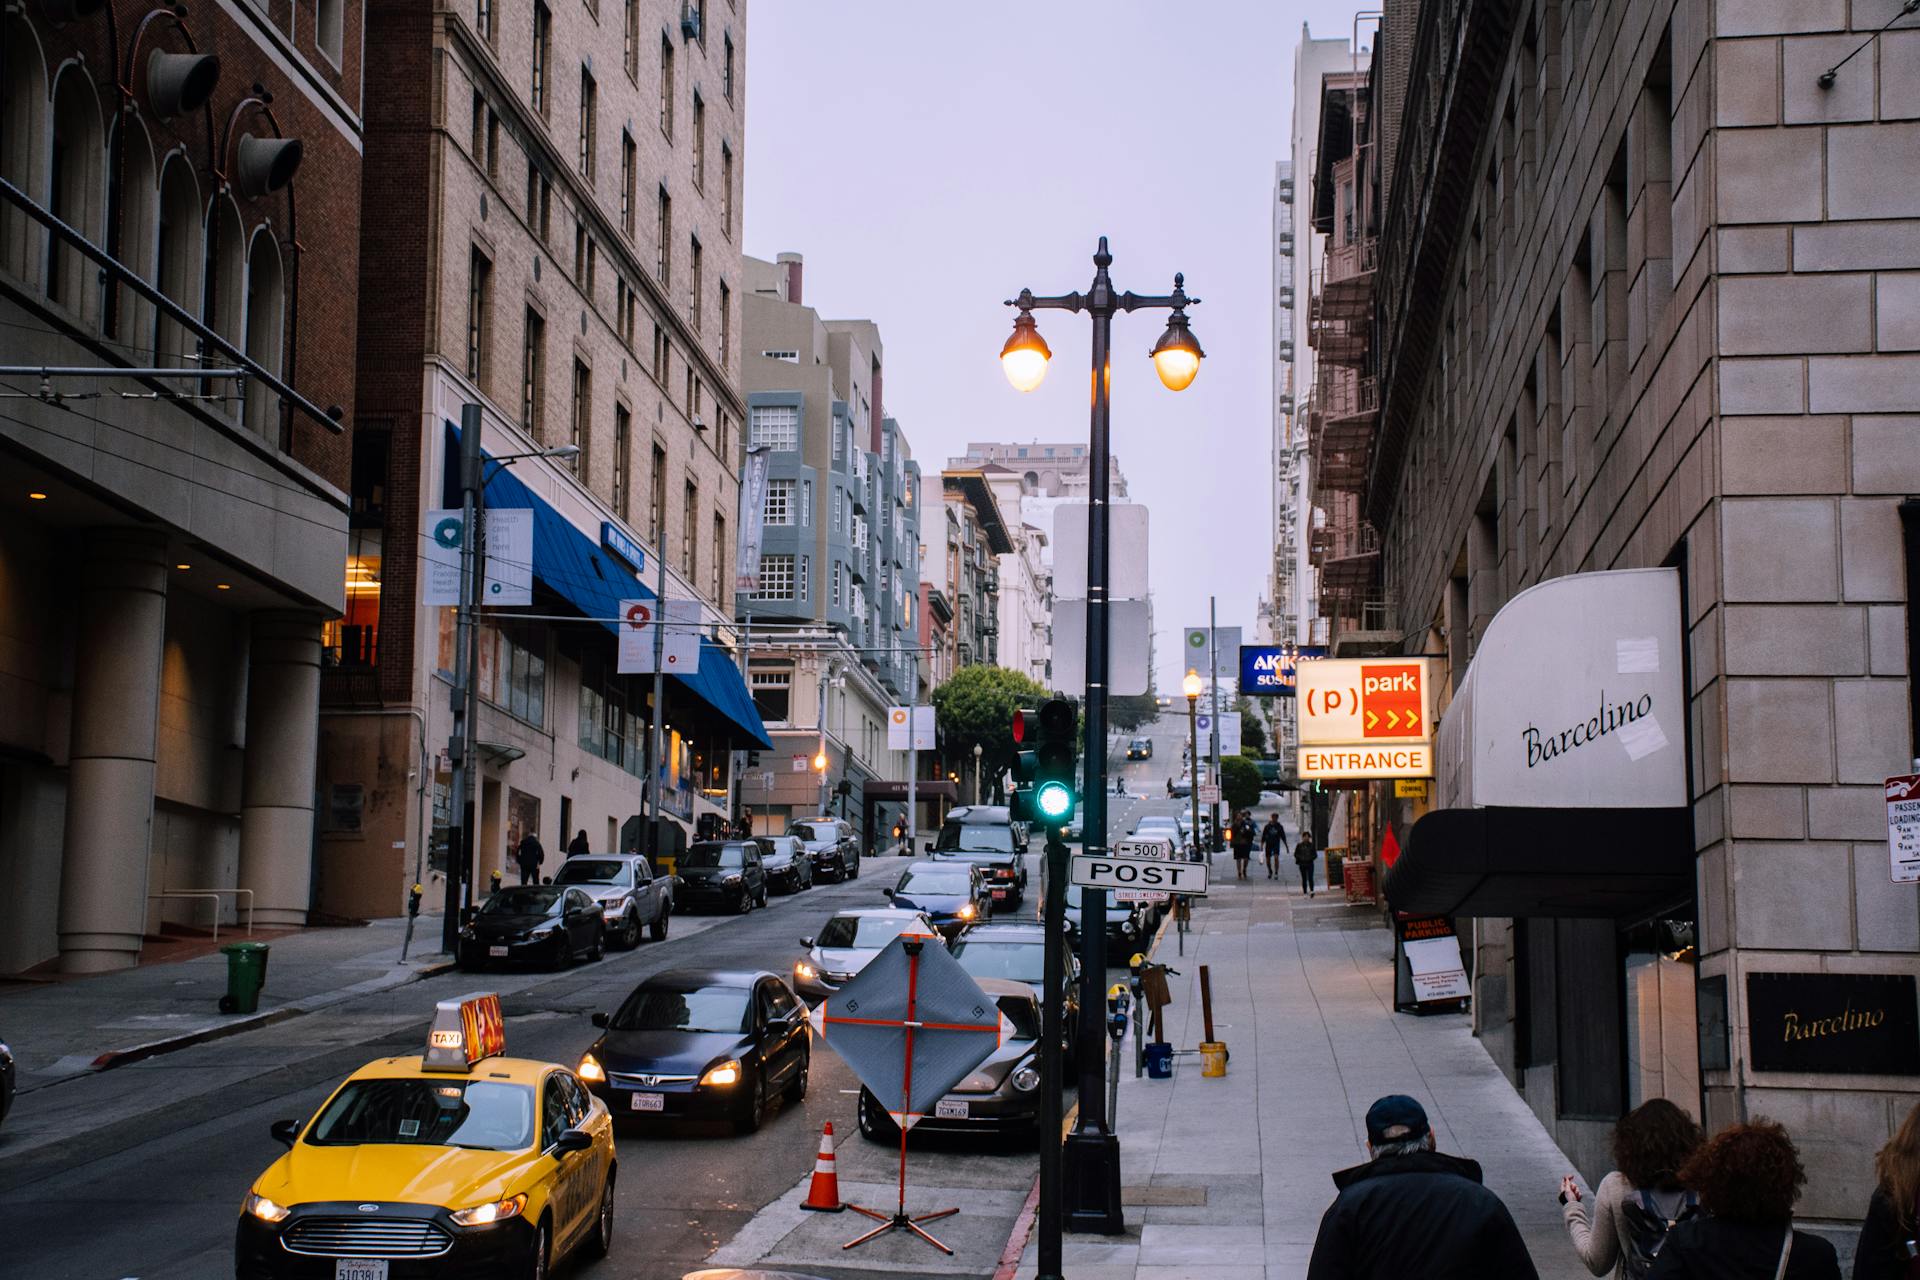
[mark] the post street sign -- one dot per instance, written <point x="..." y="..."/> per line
<point x="1156" y="847"/>
<point x="1096" y="871"/>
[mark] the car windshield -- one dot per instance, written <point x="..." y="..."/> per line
<point x="1015" y="961"/>
<point x="936" y="882"/>
<point x="1073" y="897"/>
<point x="1024" y="1014"/>
<point x="715" y="855"/>
<point x="524" y="900"/>
<point x="771" y="848"/>
<point x="863" y="933"/>
<point x="723" y="1009"/>
<point x="594" y="871"/>
<point x="971" y="837"/>
<point x="484" y="1115"/>
<point x="807" y="831"/>
<point x="1157" y="824"/>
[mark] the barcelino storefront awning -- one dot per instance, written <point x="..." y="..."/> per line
<point x="1561" y="762"/>
<point x="588" y="577"/>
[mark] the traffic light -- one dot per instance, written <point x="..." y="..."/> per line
<point x="1043" y="767"/>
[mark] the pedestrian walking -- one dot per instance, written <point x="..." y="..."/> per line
<point x="1273" y="837"/>
<point x="530" y="855"/>
<point x="1747" y="1177"/>
<point x="1411" y="1211"/>
<point x="1241" y="832"/>
<point x="578" y="846"/>
<point x="1642" y="1200"/>
<point x="1304" y="855"/>
<point x="1893" y="1211"/>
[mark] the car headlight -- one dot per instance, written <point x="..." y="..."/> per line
<point x="494" y="1211"/>
<point x="726" y="1073"/>
<point x="978" y="1082"/>
<point x="801" y="969"/>
<point x="731" y="880"/>
<point x="966" y="911"/>
<point x="545" y="931"/>
<point x="590" y="1069"/>
<point x="264" y="1209"/>
<point x="1026" y="1079"/>
<point x="466" y="931"/>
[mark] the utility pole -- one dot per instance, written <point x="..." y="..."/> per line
<point x="650" y="792"/>
<point x="913" y="756"/>
<point x="820" y="756"/>
<point x="1213" y="729"/>
<point x="460" y="743"/>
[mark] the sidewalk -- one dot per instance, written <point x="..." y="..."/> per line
<point x="69" y="1027"/>
<point x="1226" y="1179"/>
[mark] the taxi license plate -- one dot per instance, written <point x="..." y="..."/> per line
<point x="360" y="1269"/>
<point x="948" y="1110"/>
<point x="647" y="1102"/>
<point x="496" y="951"/>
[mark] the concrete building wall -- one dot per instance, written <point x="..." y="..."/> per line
<point x="1681" y="337"/>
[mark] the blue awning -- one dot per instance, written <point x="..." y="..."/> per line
<point x="585" y="575"/>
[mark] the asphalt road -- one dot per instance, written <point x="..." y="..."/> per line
<point x="154" y="1194"/>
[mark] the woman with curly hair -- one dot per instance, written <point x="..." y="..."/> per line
<point x="1890" y="1225"/>
<point x="1747" y="1177"/>
<point x="1638" y="1204"/>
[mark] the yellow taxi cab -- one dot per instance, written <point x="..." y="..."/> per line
<point x="460" y="1162"/>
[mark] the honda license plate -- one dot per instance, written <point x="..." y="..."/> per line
<point x="359" y="1269"/>
<point x="647" y="1102"/>
<point x="496" y="952"/>
<point x="948" y="1109"/>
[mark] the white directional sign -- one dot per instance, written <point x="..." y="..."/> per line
<point x="1094" y="871"/>
<point x="1209" y="793"/>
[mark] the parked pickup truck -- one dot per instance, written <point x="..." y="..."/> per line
<point x="630" y="895"/>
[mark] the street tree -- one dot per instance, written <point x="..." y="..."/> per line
<point x="1129" y="712"/>
<point x="975" y="706"/>
<point x="1239" y="783"/>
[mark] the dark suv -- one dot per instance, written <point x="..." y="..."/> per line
<point x="983" y="835"/>
<point x="830" y="843"/>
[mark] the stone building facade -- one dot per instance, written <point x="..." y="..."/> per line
<point x="1647" y="296"/>
<point x="170" y="547"/>
<point x="567" y="257"/>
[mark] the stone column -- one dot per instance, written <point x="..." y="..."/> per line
<point x="277" y="777"/>
<point x="120" y="636"/>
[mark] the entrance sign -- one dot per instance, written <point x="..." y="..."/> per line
<point x="1097" y="871"/>
<point x="1903" y="828"/>
<point x="1414" y="760"/>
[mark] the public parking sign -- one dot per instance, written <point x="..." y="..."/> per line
<point x="1096" y="871"/>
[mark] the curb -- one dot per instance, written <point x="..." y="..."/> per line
<point x="1022" y="1229"/>
<point x="252" y="1022"/>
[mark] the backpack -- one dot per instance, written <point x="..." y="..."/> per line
<point x="1646" y="1230"/>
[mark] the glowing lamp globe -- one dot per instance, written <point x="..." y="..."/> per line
<point x="1177" y="356"/>
<point x="1191" y="685"/>
<point x="1025" y="355"/>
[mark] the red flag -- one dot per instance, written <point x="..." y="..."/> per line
<point x="1389" y="848"/>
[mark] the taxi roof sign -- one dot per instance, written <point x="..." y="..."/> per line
<point x="465" y="1030"/>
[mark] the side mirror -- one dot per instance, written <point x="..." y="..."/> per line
<point x="888" y="892"/>
<point x="929" y="846"/>
<point x="601" y="1020"/>
<point x="285" y="1131"/>
<point x="572" y="1140"/>
<point x="806" y="942"/>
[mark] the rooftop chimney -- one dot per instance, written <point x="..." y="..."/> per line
<point x="792" y="262"/>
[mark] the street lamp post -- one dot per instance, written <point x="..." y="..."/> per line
<point x="1085" y="1177"/>
<point x="466" y="696"/>
<point x="976" y="772"/>
<point x="1191" y="687"/>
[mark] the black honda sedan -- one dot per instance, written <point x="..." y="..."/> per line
<point x="701" y="1044"/>
<point x="543" y="924"/>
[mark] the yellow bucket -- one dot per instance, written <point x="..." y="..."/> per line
<point x="1213" y="1058"/>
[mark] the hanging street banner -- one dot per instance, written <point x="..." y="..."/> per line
<point x="509" y="551"/>
<point x="1226" y="651"/>
<point x="921" y="739"/>
<point x="1267" y="670"/>
<point x="1229" y="731"/>
<point x="752" y="520"/>
<point x="680" y="652"/>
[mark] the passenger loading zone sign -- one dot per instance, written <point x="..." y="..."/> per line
<point x="1903" y="828"/>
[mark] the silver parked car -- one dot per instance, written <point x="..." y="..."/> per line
<point x="630" y="896"/>
<point x="848" y="942"/>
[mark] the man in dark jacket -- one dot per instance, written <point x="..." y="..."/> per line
<point x="530" y="855"/>
<point x="1410" y="1211"/>
<point x="1272" y="837"/>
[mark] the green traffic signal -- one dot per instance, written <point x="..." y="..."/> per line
<point x="1053" y="800"/>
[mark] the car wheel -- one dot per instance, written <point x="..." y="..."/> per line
<point x="875" y="1124"/>
<point x="601" y="1241"/>
<point x="754" y="1105"/>
<point x="658" y="929"/>
<point x="599" y="947"/>
<point x="630" y="929"/>
<point x="745" y="902"/>
<point x="796" y="1090"/>
<point x="469" y="961"/>
<point x="761" y="899"/>
<point x="562" y="951"/>
<point x="853" y="868"/>
<point x="535" y="1267"/>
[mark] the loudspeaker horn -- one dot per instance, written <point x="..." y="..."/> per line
<point x="265" y="164"/>
<point x="180" y="82"/>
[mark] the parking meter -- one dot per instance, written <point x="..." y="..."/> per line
<point x="493" y="878"/>
<point x="413" y="901"/>
<point x="1119" y="1001"/>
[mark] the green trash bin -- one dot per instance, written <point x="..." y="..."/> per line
<point x="246" y="974"/>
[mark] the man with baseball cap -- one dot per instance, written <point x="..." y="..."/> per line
<point x="1411" y="1213"/>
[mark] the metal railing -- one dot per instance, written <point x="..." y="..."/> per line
<point x="214" y="895"/>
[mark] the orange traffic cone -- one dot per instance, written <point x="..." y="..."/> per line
<point x="824" y="1195"/>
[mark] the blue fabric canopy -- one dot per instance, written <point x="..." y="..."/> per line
<point x="589" y="578"/>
